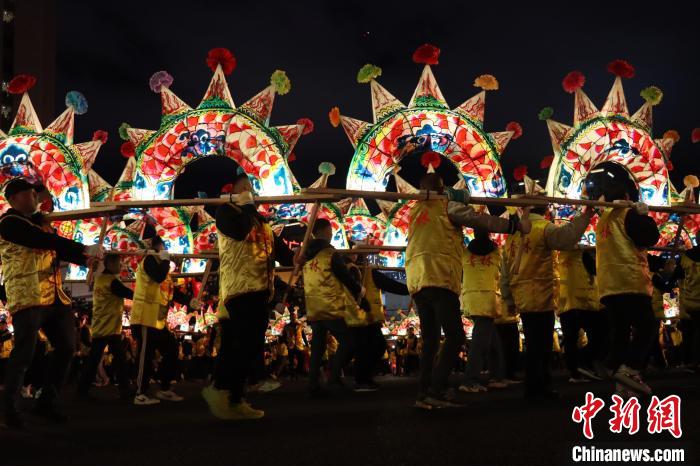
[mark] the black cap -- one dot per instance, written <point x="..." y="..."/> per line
<point x="18" y="185"/>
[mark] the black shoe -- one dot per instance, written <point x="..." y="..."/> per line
<point x="14" y="421"/>
<point x="50" y="412"/>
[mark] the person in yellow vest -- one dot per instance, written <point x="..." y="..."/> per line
<point x="295" y="339"/>
<point x="107" y="311"/>
<point x="31" y="252"/>
<point x="248" y="249"/>
<point x="624" y="281"/>
<point x="5" y="347"/>
<point x="481" y="302"/>
<point x="535" y="291"/>
<point x="370" y="341"/>
<point x="434" y="279"/>
<point x="153" y="293"/>
<point x="507" y="326"/>
<point x="331" y="294"/>
<point x="579" y="308"/>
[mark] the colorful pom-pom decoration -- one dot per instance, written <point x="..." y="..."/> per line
<point x="159" y="80"/>
<point x="430" y="158"/>
<point x="227" y="188"/>
<point x="291" y="157"/>
<point x="21" y="84"/>
<point x="221" y="56"/>
<point x="652" y="95"/>
<point x="128" y="149"/>
<point x="368" y="73"/>
<point x="100" y="135"/>
<point x="573" y="81"/>
<point x="334" y="117"/>
<point x="426" y="54"/>
<point x="77" y="101"/>
<point x="307" y="124"/>
<point x="326" y="168"/>
<point x="691" y="181"/>
<point x="486" y="82"/>
<point x="546" y="113"/>
<point x="546" y="162"/>
<point x="621" y="68"/>
<point x="280" y="82"/>
<point x="695" y="135"/>
<point x="672" y="134"/>
<point x="515" y="127"/>
<point x="520" y="172"/>
<point x="123" y="131"/>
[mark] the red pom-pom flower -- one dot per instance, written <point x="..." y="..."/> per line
<point x="520" y="172"/>
<point x="621" y="68"/>
<point x="221" y="56"/>
<point x="426" y="54"/>
<point x="100" y="135"/>
<point x="695" y="135"/>
<point x="128" y="149"/>
<point x="546" y="162"/>
<point x="573" y="81"/>
<point x="430" y="158"/>
<point x="307" y="124"/>
<point x="21" y="84"/>
<point x="669" y="166"/>
<point x="291" y="157"/>
<point x="515" y="127"/>
<point x="227" y="188"/>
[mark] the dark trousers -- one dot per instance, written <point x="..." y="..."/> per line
<point x="630" y="314"/>
<point x="118" y="363"/>
<point x="485" y="346"/>
<point x="150" y="339"/>
<point x="438" y="308"/>
<point x="296" y="362"/>
<point x="371" y="346"/>
<point x="538" y="328"/>
<point x="593" y="322"/>
<point x="691" y="333"/>
<point x="3" y="367"/>
<point x="242" y="341"/>
<point x="59" y="326"/>
<point x="346" y="347"/>
<point x="509" y="336"/>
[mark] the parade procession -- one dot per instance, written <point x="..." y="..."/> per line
<point x="455" y="276"/>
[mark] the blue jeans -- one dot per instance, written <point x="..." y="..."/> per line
<point x="485" y="350"/>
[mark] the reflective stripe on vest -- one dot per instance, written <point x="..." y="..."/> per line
<point x="326" y="297"/>
<point x="107" y="308"/>
<point x="690" y="285"/>
<point x="481" y="292"/>
<point x="577" y="288"/>
<point x="621" y="267"/>
<point x="434" y="252"/>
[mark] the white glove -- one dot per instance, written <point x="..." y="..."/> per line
<point x="164" y="255"/>
<point x="641" y="208"/>
<point x="195" y="303"/>
<point x="244" y="198"/>
<point x="94" y="250"/>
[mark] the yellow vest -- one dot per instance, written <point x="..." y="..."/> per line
<point x="107" y="308"/>
<point x="534" y="287"/>
<point x="622" y="268"/>
<point x="657" y="303"/>
<point x="151" y="299"/>
<point x="577" y="288"/>
<point x="481" y="293"/>
<point x="434" y="252"/>
<point x="375" y="313"/>
<point x="326" y="297"/>
<point x="245" y="266"/>
<point x="690" y="285"/>
<point x="5" y="349"/>
<point x="32" y="276"/>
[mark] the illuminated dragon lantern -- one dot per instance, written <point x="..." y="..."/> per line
<point x="426" y="125"/>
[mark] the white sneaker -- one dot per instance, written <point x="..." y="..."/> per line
<point x="145" y="400"/>
<point x="473" y="388"/>
<point x="168" y="395"/>
<point x="269" y="386"/>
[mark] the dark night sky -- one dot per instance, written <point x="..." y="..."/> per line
<point x="108" y="50"/>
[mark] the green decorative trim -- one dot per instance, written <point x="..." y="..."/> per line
<point x="429" y="101"/>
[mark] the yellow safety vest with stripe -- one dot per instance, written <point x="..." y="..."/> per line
<point x="690" y="285"/>
<point x="621" y="267"/>
<point x="246" y="266"/>
<point x="326" y="297"/>
<point x="577" y="288"/>
<point x="535" y="287"/>
<point x="481" y="293"/>
<point x="434" y="252"/>
<point x="151" y="299"/>
<point x="107" y="308"/>
<point x="375" y="313"/>
<point x="32" y="276"/>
